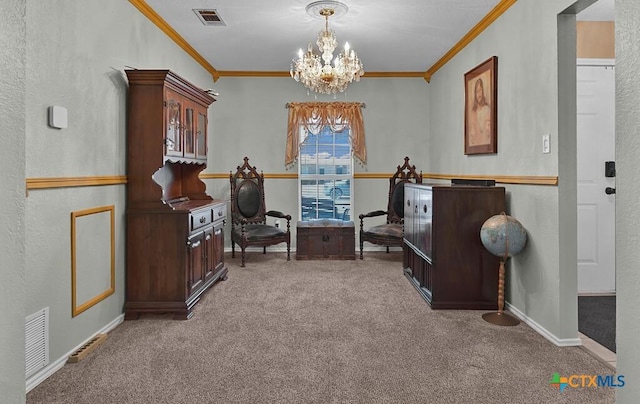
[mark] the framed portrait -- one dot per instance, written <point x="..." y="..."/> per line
<point x="481" y="108"/>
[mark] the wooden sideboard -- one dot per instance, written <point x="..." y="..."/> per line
<point x="443" y="255"/>
<point x="175" y="238"/>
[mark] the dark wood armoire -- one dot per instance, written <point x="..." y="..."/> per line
<point x="175" y="238"/>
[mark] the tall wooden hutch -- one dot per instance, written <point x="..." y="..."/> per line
<point x="175" y="238"/>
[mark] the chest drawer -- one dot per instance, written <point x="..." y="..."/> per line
<point x="200" y="219"/>
<point x="219" y="212"/>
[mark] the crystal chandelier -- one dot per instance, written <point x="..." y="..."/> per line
<point x="316" y="72"/>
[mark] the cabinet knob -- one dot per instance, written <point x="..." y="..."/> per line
<point x="203" y="219"/>
<point x="424" y="208"/>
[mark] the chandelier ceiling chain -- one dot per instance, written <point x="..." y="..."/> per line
<point x="316" y="72"/>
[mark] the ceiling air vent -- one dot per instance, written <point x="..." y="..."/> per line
<point x="209" y="17"/>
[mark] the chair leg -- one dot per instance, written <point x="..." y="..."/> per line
<point x="264" y="249"/>
<point x="242" y="256"/>
<point x="288" y="251"/>
<point x="233" y="249"/>
<point x="361" y="245"/>
<point x="387" y="249"/>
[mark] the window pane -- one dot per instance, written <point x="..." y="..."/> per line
<point x="342" y="159"/>
<point x="309" y="198"/>
<point x="307" y="165"/>
<point x="342" y="138"/>
<point x="325" y="160"/>
<point x="325" y="169"/>
<point x="308" y="149"/>
<point x="325" y="136"/>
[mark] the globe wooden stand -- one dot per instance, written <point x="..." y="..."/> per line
<point x="500" y="318"/>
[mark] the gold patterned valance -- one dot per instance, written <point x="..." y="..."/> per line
<point x="313" y="116"/>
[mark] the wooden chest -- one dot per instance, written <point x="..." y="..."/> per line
<point x="325" y="239"/>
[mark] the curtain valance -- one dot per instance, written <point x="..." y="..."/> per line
<point x="312" y="116"/>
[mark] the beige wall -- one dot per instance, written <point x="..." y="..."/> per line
<point x="595" y="39"/>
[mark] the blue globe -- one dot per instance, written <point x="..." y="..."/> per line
<point x="503" y="236"/>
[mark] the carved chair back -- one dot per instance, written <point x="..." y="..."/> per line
<point x="247" y="194"/>
<point x="395" y="205"/>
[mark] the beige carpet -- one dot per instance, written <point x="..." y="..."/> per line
<point x="321" y="332"/>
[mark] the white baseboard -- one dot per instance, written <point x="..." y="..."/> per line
<point x="53" y="367"/>
<point x="600" y="293"/>
<point x="541" y="330"/>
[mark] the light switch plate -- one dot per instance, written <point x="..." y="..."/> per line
<point x="58" y="117"/>
<point x="546" y="143"/>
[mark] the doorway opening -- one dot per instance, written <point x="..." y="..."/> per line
<point x="595" y="161"/>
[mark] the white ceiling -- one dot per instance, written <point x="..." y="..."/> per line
<point x="389" y="36"/>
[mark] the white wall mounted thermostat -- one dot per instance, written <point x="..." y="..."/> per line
<point x="58" y="117"/>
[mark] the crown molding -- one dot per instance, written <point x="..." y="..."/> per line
<point x="155" y="18"/>
<point x="247" y="73"/>
<point x="488" y="19"/>
<point x="496" y="12"/>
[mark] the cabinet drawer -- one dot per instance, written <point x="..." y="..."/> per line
<point x="200" y="219"/>
<point x="219" y="212"/>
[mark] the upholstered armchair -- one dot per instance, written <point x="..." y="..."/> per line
<point x="249" y="215"/>
<point x="390" y="233"/>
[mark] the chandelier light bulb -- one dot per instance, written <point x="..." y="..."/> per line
<point x="315" y="71"/>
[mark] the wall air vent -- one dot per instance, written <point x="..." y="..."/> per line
<point x="209" y="17"/>
<point x="37" y="341"/>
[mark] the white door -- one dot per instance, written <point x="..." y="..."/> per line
<point x="596" y="208"/>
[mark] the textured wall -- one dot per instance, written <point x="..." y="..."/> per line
<point x="76" y="56"/>
<point x="526" y="41"/>
<point x="395" y="117"/>
<point x="12" y="167"/>
<point x="627" y="197"/>
<point x="250" y="119"/>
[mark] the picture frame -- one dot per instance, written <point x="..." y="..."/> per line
<point x="480" y="108"/>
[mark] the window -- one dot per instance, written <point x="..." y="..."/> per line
<point x="324" y="137"/>
<point x="325" y="173"/>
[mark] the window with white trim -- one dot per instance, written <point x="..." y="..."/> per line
<point x="325" y="174"/>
